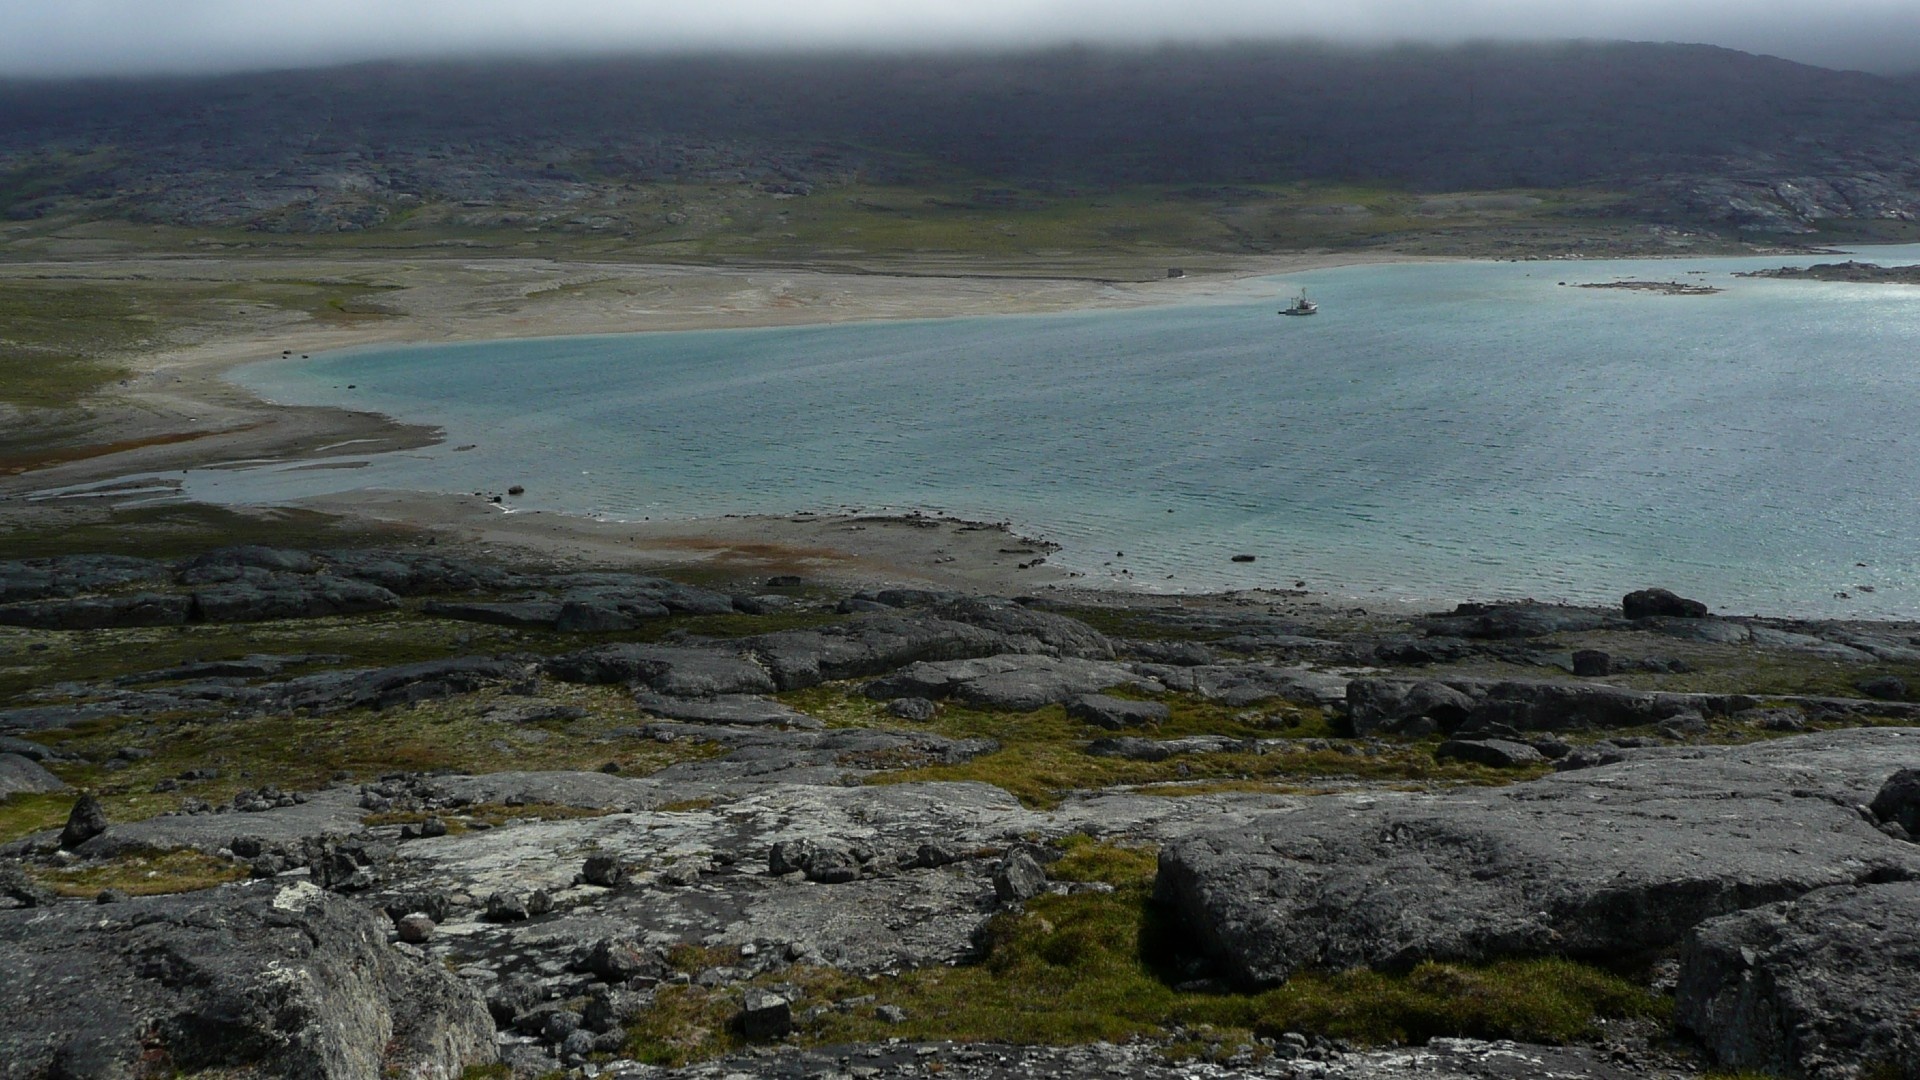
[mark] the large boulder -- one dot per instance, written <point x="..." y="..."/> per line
<point x="1504" y="621"/>
<point x="276" y="979"/>
<point x="1405" y="707"/>
<point x="1114" y="714"/>
<point x="1021" y="682"/>
<point x="1824" y="986"/>
<point x="98" y="612"/>
<point x="665" y="669"/>
<point x="69" y="575"/>
<point x="1604" y="862"/>
<point x="518" y="613"/>
<point x="398" y="685"/>
<point x="23" y="776"/>
<point x="1898" y="801"/>
<point x="85" y="821"/>
<point x="1025" y="629"/>
<point x="289" y="596"/>
<point x="415" y="573"/>
<point x="251" y="556"/>
<point x="1378" y="706"/>
<point x="1248" y="684"/>
<point x="866" y="644"/>
<point x="1657" y="603"/>
<point x="598" y="614"/>
<point x="750" y="709"/>
<point x="1494" y="753"/>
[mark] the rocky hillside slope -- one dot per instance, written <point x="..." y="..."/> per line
<point x="356" y="812"/>
<point x="1696" y="134"/>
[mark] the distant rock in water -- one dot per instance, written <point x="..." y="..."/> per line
<point x="1665" y="288"/>
<point x="1871" y="273"/>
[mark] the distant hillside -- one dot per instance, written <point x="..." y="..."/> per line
<point x="1698" y="134"/>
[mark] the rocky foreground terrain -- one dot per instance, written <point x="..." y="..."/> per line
<point x="394" y="813"/>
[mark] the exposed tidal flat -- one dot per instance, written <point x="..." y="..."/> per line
<point x="1439" y="431"/>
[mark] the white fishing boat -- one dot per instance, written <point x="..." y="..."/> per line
<point x="1301" y="306"/>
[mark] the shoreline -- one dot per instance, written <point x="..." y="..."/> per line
<point x="187" y="415"/>
<point x="176" y="411"/>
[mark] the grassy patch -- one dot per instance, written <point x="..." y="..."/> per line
<point x="24" y="815"/>
<point x="1041" y="778"/>
<point x="55" y="338"/>
<point x="147" y="874"/>
<point x="1043" y="756"/>
<point x="180" y="531"/>
<point x="1098" y="966"/>
<point x="61" y="340"/>
<point x="30" y="659"/>
<point x="376" y="640"/>
<point x="303" y="753"/>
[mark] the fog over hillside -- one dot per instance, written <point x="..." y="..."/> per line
<point x="126" y="36"/>
<point x="1698" y="132"/>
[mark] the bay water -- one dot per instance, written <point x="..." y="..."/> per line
<point x="1440" y="431"/>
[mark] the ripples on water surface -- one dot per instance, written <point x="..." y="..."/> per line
<point x="1437" y="432"/>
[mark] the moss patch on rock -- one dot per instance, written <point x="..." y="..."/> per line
<point x="1107" y="964"/>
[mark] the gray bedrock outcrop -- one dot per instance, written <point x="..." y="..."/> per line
<point x="755" y="759"/>
<point x="273" y="979"/>
<point x="870" y="643"/>
<point x="1380" y="705"/>
<point x="1024" y="682"/>
<point x="20" y="775"/>
<point x="919" y="882"/>
<point x="1601" y="862"/>
<point x="1826" y="986"/>
<point x="324" y="691"/>
<point x="873" y="643"/>
<point x="1439" y="1059"/>
<point x="1019" y="683"/>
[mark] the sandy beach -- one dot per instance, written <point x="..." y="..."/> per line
<point x="175" y="411"/>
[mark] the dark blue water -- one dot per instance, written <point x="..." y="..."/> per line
<point x="1437" y="432"/>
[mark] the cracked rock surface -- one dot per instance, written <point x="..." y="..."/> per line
<point x="1599" y="862"/>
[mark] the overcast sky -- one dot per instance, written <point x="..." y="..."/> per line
<point x="50" y="37"/>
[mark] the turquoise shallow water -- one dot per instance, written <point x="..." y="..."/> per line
<point x="1439" y="432"/>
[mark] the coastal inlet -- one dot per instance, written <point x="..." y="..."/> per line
<point x="1438" y="431"/>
